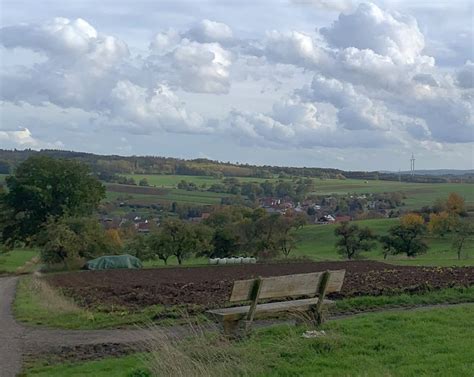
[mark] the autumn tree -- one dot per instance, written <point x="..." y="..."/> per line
<point x="442" y="223"/>
<point x="455" y="204"/>
<point x="406" y="238"/>
<point x="113" y="239"/>
<point x="352" y="240"/>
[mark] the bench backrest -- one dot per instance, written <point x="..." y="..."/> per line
<point x="286" y="286"/>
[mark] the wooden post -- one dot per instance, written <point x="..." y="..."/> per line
<point x="253" y="306"/>
<point x="317" y="309"/>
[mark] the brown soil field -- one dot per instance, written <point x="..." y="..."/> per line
<point x="210" y="287"/>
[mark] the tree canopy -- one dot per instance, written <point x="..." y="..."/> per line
<point x="44" y="187"/>
<point x="352" y="240"/>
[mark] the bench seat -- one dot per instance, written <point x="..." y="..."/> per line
<point x="239" y="312"/>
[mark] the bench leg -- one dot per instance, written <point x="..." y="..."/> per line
<point x="317" y="316"/>
<point x="230" y="328"/>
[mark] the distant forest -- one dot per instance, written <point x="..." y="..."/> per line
<point x="104" y="165"/>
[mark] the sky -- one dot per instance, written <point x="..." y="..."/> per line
<point x="322" y="83"/>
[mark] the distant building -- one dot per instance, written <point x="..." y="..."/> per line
<point x="326" y="219"/>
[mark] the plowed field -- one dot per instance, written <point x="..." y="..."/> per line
<point x="210" y="286"/>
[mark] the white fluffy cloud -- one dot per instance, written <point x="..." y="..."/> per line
<point x="363" y="81"/>
<point x="80" y="66"/>
<point x="143" y="110"/>
<point x="194" y="60"/>
<point x="87" y="70"/>
<point x="371" y="69"/>
<point x="23" y="138"/>
<point x="207" y="31"/>
<point x="369" y="27"/>
<point x="293" y="48"/>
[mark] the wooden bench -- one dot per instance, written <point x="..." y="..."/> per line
<point x="279" y="287"/>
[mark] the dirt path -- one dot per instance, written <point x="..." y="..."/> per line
<point x="10" y="332"/>
<point x="17" y="340"/>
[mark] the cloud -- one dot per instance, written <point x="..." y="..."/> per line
<point x="369" y="27"/>
<point x="202" y="67"/>
<point x="194" y="60"/>
<point x="23" y="138"/>
<point x="373" y="72"/>
<point x="330" y="5"/>
<point x="293" y="123"/>
<point x="292" y="48"/>
<point x="80" y="66"/>
<point x="364" y="81"/>
<point x="465" y="76"/>
<point x="144" y="111"/>
<point x="207" y="31"/>
<point x="93" y="72"/>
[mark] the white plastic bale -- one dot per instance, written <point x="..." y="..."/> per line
<point x="222" y="261"/>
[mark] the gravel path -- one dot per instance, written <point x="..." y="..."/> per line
<point x="10" y="332"/>
<point x="17" y="340"/>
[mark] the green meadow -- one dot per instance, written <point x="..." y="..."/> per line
<point x="317" y="243"/>
<point x="417" y="194"/>
<point x="424" y="342"/>
<point x="12" y="260"/>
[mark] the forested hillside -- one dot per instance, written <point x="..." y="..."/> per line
<point x="113" y="164"/>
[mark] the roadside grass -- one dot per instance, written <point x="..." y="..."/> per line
<point x="425" y="342"/>
<point x="108" y="367"/>
<point x="37" y="303"/>
<point x="13" y="260"/>
<point x="372" y="303"/>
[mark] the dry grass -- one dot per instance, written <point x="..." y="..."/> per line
<point x="51" y="299"/>
<point x="203" y="352"/>
<point x="28" y="266"/>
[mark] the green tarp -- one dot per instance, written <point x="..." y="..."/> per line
<point x="109" y="262"/>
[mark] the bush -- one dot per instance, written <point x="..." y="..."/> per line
<point x="71" y="238"/>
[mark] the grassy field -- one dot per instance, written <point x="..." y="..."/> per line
<point x="418" y="194"/>
<point x="170" y="195"/>
<point x="14" y="259"/>
<point x="317" y="242"/>
<point x="419" y="343"/>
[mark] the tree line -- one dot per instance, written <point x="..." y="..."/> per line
<point x="113" y="164"/>
<point x="448" y="217"/>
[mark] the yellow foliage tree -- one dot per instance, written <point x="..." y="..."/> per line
<point x="443" y="222"/>
<point x="455" y="204"/>
<point x="113" y="237"/>
<point x="411" y="220"/>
